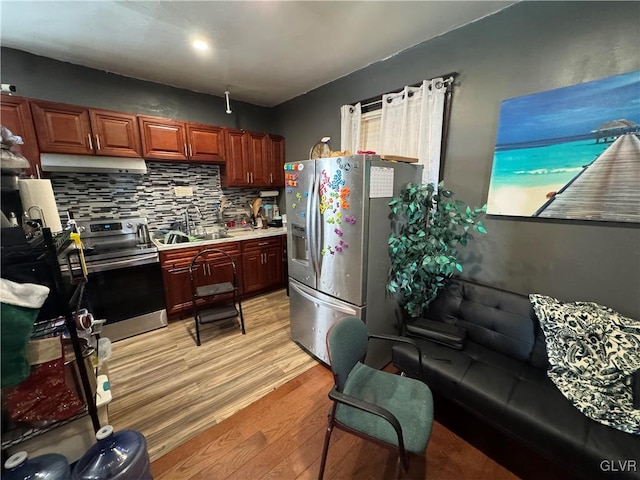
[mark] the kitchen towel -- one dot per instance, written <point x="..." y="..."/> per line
<point x="36" y="192"/>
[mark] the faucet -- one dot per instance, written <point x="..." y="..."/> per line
<point x="187" y="217"/>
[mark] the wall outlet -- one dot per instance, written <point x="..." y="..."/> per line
<point x="183" y="191"/>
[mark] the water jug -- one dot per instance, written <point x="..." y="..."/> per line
<point x="45" y="467"/>
<point x="118" y="455"/>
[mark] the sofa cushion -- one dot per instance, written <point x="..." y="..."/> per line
<point x="497" y="319"/>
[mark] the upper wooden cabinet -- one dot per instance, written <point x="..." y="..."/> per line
<point x="65" y="128"/>
<point x="165" y="139"/>
<point x="15" y="115"/>
<point x="206" y="142"/>
<point x="254" y="159"/>
<point x="276" y="159"/>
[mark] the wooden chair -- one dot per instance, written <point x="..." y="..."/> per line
<point x="392" y="410"/>
<point x="214" y="277"/>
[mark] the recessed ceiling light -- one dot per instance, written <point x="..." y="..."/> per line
<point x="200" y="45"/>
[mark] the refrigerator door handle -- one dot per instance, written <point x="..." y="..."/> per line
<point x="316" y="222"/>
<point x="337" y="306"/>
<point x="311" y="227"/>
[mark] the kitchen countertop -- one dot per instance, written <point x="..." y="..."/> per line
<point x="234" y="236"/>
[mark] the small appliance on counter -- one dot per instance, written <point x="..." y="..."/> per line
<point x="270" y="208"/>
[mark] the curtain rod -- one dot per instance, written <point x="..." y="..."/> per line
<point x="378" y="99"/>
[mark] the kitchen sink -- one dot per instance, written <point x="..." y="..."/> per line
<point x="209" y="236"/>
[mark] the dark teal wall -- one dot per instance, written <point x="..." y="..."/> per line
<point x="526" y="48"/>
<point x="48" y="79"/>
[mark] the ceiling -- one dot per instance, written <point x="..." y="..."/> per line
<point x="263" y="52"/>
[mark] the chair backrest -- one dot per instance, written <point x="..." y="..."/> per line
<point x="347" y="345"/>
<point x="220" y="259"/>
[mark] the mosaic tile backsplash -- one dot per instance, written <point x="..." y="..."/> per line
<point x="102" y="196"/>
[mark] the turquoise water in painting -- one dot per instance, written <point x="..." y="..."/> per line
<point x="543" y="165"/>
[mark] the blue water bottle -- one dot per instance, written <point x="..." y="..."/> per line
<point x="116" y="456"/>
<point x="45" y="467"/>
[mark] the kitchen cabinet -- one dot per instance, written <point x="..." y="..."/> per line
<point x="262" y="264"/>
<point x="175" y="273"/>
<point x="166" y="139"/>
<point x="254" y="159"/>
<point x="276" y="160"/>
<point x="62" y="128"/>
<point x="15" y="114"/>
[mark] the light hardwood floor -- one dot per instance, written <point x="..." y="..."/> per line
<point x="170" y="390"/>
<point x="280" y="437"/>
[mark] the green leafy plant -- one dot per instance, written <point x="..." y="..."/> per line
<point x="423" y="247"/>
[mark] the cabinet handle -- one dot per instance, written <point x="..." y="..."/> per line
<point x="209" y="268"/>
<point x="271" y="177"/>
<point x="190" y="151"/>
<point x="90" y="141"/>
<point x="185" y="150"/>
<point x="251" y="177"/>
<point x="247" y="177"/>
<point x="204" y="269"/>
<point x="98" y="141"/>
<point x="263" y="243"/>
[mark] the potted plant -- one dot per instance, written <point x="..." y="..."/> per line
<point x="423" y="246"/>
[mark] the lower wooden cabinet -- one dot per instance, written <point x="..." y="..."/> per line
<point x="259" y="263"/>
<point x="262" y="264"/>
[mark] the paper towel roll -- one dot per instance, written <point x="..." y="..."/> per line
<point x="39" y="193"/>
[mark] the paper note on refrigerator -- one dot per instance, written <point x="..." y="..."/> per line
<point x="381" y="182"/>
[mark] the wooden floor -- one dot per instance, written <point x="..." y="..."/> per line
<point x="169" y="389"/>
<point x="254" y="407"/>
<point x="281" y="437"/>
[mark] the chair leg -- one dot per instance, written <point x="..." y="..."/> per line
<point x="325" y="449"/>
<point x="197" y="329"/>
<point x="241" y="316"/>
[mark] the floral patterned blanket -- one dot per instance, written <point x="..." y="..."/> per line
<point x="593" y="352"/>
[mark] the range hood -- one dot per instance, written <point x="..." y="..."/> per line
<point x="59" y="162"/>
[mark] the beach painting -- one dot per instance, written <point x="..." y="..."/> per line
<point x="571" y="152"/>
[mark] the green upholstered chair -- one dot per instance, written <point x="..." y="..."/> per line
<point x="393" y="410"/>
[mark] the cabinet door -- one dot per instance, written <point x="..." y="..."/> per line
<point x="237" y="171"/>
<point x="252" y="266"/>
<point x="163" y="139"/>
<point x="62" y="128"/>
<point x="176" y="279"/>
<point x="15" y="115"/>
<point x="205" y="143"/>
<point x="177" y="289"/>
<point x="272" y="270"/>
<point x="257" y="152"/>
<point x="276" y="161"/>
<point x="115" y="133"/>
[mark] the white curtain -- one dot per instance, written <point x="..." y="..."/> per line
<point x="411" y="125"/>
<point x="351" y="119"/>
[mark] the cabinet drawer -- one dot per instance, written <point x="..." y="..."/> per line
<point x="260" y="243"/>
<point x="182" y="257"/>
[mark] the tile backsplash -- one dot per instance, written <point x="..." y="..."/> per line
<point x="99" y="195"/>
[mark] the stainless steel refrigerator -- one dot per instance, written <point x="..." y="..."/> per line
<point x="338" y="226"/>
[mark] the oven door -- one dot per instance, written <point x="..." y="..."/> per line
<point x="129" y="298"/>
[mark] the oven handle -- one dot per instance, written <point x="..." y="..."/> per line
<point x="113" y="264"/>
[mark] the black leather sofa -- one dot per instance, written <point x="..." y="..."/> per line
<point x="500" y="376"/>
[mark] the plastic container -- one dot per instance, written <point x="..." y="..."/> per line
<point x="45" y="467"/>
<point x="116" y="456"/>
